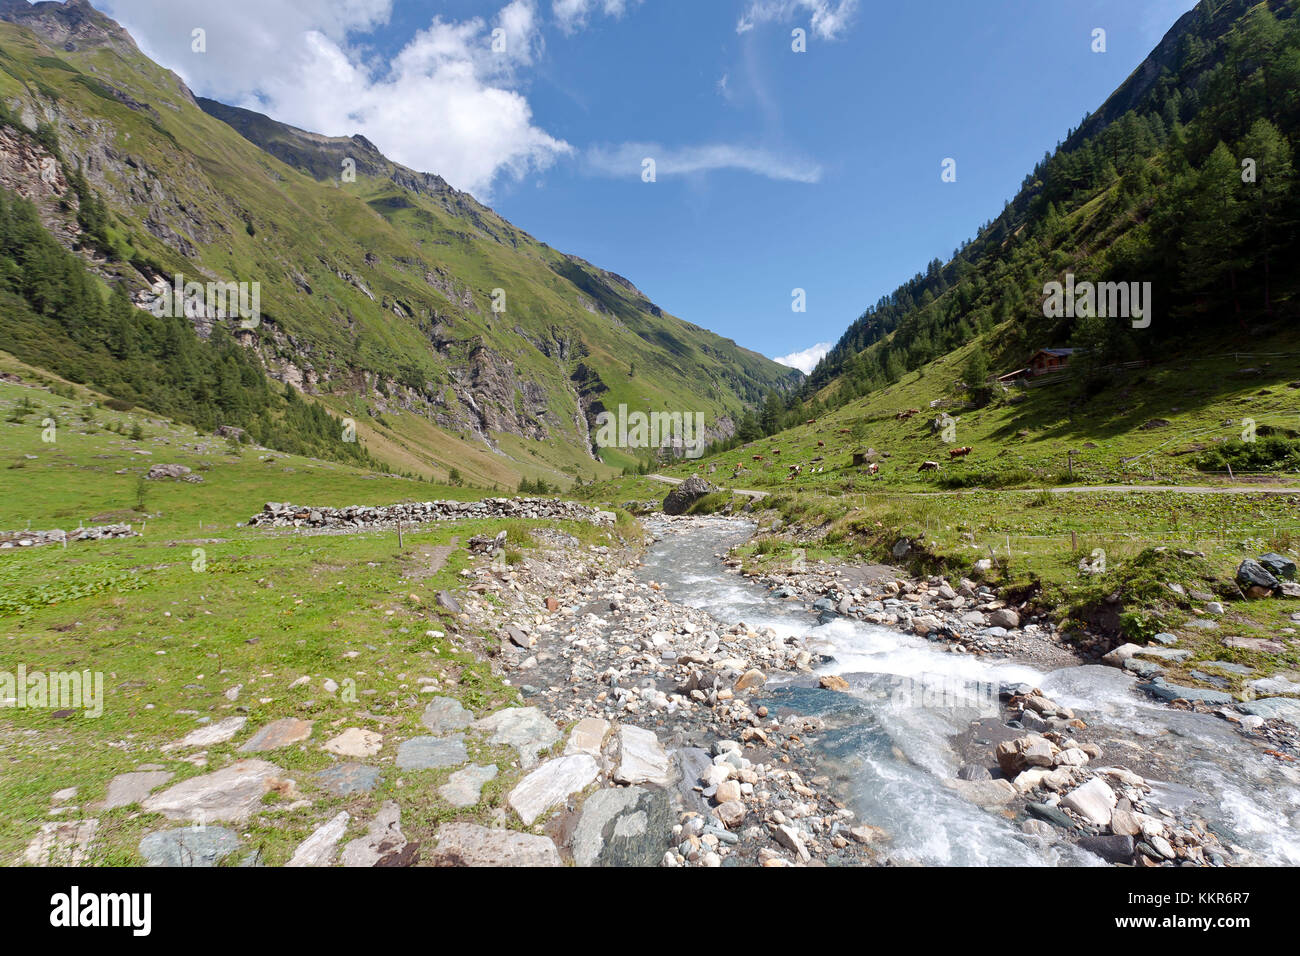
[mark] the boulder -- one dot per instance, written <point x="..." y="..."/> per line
<point x="467" y="844"/>
<point x="1279" y="565"/>
<point x="1256" y="580"/>
<point x="686" y="494"/>
<point x="623" y="826"/>
<point x="1094" y="801"/>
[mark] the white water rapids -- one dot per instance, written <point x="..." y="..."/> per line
<point x="890" y="740"/>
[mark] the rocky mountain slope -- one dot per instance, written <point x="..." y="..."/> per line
<point x="451" y="337"/>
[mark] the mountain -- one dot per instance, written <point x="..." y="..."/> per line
<point x="452" y="338"/>
<point x="1152" y="188"/>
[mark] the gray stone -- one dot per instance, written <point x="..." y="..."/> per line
<point x="973" y="772"/>
<point x="983" y="793"/>
<point x="318" y="849"/>
<point x="210" y="735"/>
<point x="430" y="753"/>
<point x="526" y="729"/>
<point x="1273" y="708"/>
<point x="189" y="846"/>
<point x="345" y="779"/>
<point x="1053" y="815"/>
<point x="62" y="843"/>
<point x="464" y="788"/>
<point x="623" y="826"/>
<point x="384" y="843"/>
<point x="551" y="784"/>
<point x="1004" y="617"/>
<point x="467" y="844"/>
<point x="641" y="758"/>
<point x="1279" y="565"/>
<point x="1165" y="638"/>
<point x="230" y="794"/>
<point x="1112" y="848"/>
<point x="444" y="715"/>
<point x="448" y="603"/>
<point x="277" y="734"/>
<point x="1255" y="578"/>
<point x="1163" y="691"/>
<point x="686" y="494"/>
<point x="128" y="788"/>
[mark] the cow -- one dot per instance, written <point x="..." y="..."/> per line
<point x="758" y="458"/>
<point x="929" y="466"/>
<point x="821" y="444"/>
<point x="960" y="452"/>
<point x="908" y="414"/>
<point x="873" y="469"/>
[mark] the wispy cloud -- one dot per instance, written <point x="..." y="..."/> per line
<point x="806" y="360"/>
<point x="626" y="159"/>
<point x="828" y="18"/>
<point x="572" y="15"/>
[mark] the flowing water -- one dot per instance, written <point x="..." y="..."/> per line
<point x="890" y="741"/>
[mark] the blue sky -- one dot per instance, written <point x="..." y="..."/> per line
<point x="775" y="169"/>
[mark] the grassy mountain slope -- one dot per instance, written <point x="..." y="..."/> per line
<point x="376" y="294"/>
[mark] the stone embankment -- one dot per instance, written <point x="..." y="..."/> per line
<point x="361" y="517"/>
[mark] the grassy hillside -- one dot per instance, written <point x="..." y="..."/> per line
<point x="378" y="293"/>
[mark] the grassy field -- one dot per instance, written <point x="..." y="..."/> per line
<point x="197" y="607"/>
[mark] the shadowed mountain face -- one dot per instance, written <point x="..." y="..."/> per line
<point x="452" y="337"/>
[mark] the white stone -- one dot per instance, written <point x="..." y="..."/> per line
<point x="318" y="849"/>
<point x="551" y="784"/>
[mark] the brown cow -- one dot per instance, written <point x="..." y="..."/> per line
<point x="960" y="452"/>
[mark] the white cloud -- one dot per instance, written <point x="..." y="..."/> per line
<point x="572" y="15"/>
<point x="446" y="103"/>
<point x="626" y="159"/>
<point x="828" y="18"/>
<point x="806" y="360"/>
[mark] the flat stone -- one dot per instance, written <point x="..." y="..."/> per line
<point x="1261" y="644"/>
<point x="526" y="729"/>
<point x="587" y="736"/>
<point x="1163" y="691"/>
<point x="318" y="849"/>
<point x="128" y="788"/>
<point x="1273" y="708"/>
<point x="1165" y="653"/>
<point x="448" y="603"/>
<point x="623" y="826"/>
<point x="443" y="715"/>
<point x="467" y="844"/>
<point x="277" y="734"/>
<point x="983" y="793"/>
<point x="355" y="742"/>
<point x="1094" y="801"/>
<point x="464" y="788"/>
<point x="230" y="794"/>
<point x="211" y="734"/>
<point x="63" y="843"/>
<point x="189" y="846"/>
<point x="551" y="784"/>
<point x="430" y="753"/>
<point x="1167" y="639"/>
<point x="384" y="843"/>
<point x="1053" y="815"/>
<point x="345" y="779"/>
<point x="641" y="758"/>
<point x="1113" y="848"/>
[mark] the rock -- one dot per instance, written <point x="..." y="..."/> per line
<point x="1014" y="756"/>
<point x="384" y="843"/>
<point x="158" y="472"/>
<point x="1165" y="638"/>
<point x="728" y="790"/>
<point x="518" y="638"/>
<point x="1053" y="815"/>
<point x="1094" y="801"/>
<point x="447" y="602"/>
<point x="1278" y="565"/>
<point x="65" y="843"/>
<point x="984" y="793"/>
<point x="1263" y="645"/>
<point x="212" y="734"/>
<point x="230" y="794"/>
<point x="1040" y="829"/>
<point x="686" y="494"/>
<point x="1004" y="617"/>
<point x="128" y="788"/>
<point x="443" y="715"/>
<point x="430" y="753"/>
<point x="277" y="734"/>
<point x="318" y="849"/>
<point x="464" y="788"/>
<point x="972" y="772"/>
<point x="1273" y="708"/>
<point x="355" y="742"/>
<point x="641" y="758"/>
<point x="1256" y="580"/>
<point x="526" y="729"/>
<point x="189" y="846"/>
<point x="1073" y="757"/>
<point x="467" y="844"/>
<point x="834" y="682"/>
<point x="623" y="826"/>
<point x="587" y="736"/>
<point x="789" y="838"/>
<point x="1119" y="655"/>
<point x="551" y="784"/>
<point x="750" y="680"/>
<point x="1124" y="823"/>
<point x="1167" y="692"/>
<point x="345" y="779"/>
<point x="731" y="813"/>
<point x="1113" y="848"/>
